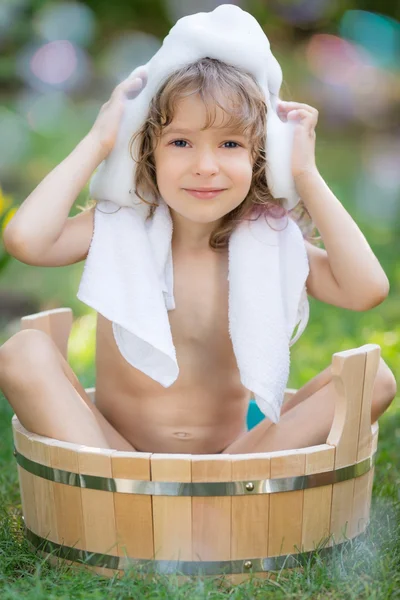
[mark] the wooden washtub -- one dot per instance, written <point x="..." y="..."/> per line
<point x="201" y="514"/>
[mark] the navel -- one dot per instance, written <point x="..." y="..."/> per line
<point x="182" y="434"/>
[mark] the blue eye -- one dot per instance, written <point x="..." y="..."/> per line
<point x="175" y="141"/>
<point x="184" y="142"/>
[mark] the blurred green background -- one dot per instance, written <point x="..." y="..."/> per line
<point x="59" y="63"/>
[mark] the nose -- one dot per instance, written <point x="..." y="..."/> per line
<point x="206" y="163"/>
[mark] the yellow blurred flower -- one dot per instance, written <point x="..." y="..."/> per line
<point x="5" y="202"/>
<point x="8" y="217"/>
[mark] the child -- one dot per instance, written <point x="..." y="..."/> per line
<point x="204" y="131"/>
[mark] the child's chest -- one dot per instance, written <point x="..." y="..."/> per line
<point x="201" y="290"/>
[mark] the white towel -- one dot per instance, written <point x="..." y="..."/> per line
<point x="128" y="275"/>
<point x="128" y="278"/>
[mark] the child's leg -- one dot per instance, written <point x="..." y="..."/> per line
<point x="46" y="395"/>
<point x="307" y="417"/>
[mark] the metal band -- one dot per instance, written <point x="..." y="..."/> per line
<point x="171" y="488"/>
<point x="183" y="567"/>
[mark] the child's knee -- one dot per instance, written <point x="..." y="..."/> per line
<point x="385" y="386"/>
<point x="25" y="352"/>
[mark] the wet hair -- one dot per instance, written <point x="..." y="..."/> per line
<point x="238" y="94"/>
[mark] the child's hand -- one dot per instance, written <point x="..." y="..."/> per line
<point x="305" y="118"/>
<point x="105" y="128"/>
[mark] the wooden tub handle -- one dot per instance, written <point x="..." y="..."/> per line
<point x="56" y="323"/>
<point x="353" y="375"/>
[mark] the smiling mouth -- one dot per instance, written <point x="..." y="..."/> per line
<point x="204" y="193"/>
<point x="204" y="189"/>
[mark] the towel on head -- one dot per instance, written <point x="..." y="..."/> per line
<point x="231" y="35"/>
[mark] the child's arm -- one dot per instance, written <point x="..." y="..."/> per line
<point x="40" y="233"/>
<point x="346" y="273"/>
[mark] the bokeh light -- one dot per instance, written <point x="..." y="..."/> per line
<point x="14" y="139"/>
<point x="378" y="34"/>
<point x="354" y="86"/>
<point x="372" y="98"/>
<point x="54" y="65"/>
<point x="51" y="114"/>
<point x="125" y="53"/>
<point x="9" y="13"/>
<point x="54" y="62"/>
<point x="336" y="103"/>
<point x="378" y="186"/>
<point x="301" y="12"/>
<point x="67" y="21"/>
<point x="381" y="157"/>
<point x="333" y="60"/>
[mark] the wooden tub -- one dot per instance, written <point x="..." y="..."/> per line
<point x="202" y="514"/>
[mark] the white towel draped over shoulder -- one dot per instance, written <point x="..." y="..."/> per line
<point x="128" y="275"/>
<point x="128" y="278"/>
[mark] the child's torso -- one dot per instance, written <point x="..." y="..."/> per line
<point x="205" y="409"/>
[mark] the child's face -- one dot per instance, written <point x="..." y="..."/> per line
<point x="213" y="158"/>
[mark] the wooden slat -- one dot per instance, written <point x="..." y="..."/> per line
<point x="286" y="508"/>
<point x="44" y="489"/>
<point x="341" y="512"/>
<point x="56" y="323"/>
<point x="363" y="484"/>
<point x="318" y="500"/>
<point x="67" y="498"/>
<point x="375" y="434"/>
<point x="172" y="515"/>
<point x="133" y="512"/>
<point x="365" y="431"/>
<point x="363" y="492"/>
<point x="97" y="505"/>
<point x="250" y="514"/>
<point x="23" y="444"/>
<point x="211" y="516"/>
<point x="349" y="370"/>
<point x="40" y="321"/>
<point x="361" y="503"/>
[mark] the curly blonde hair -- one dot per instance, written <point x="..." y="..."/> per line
<point x="213" y="80"/>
